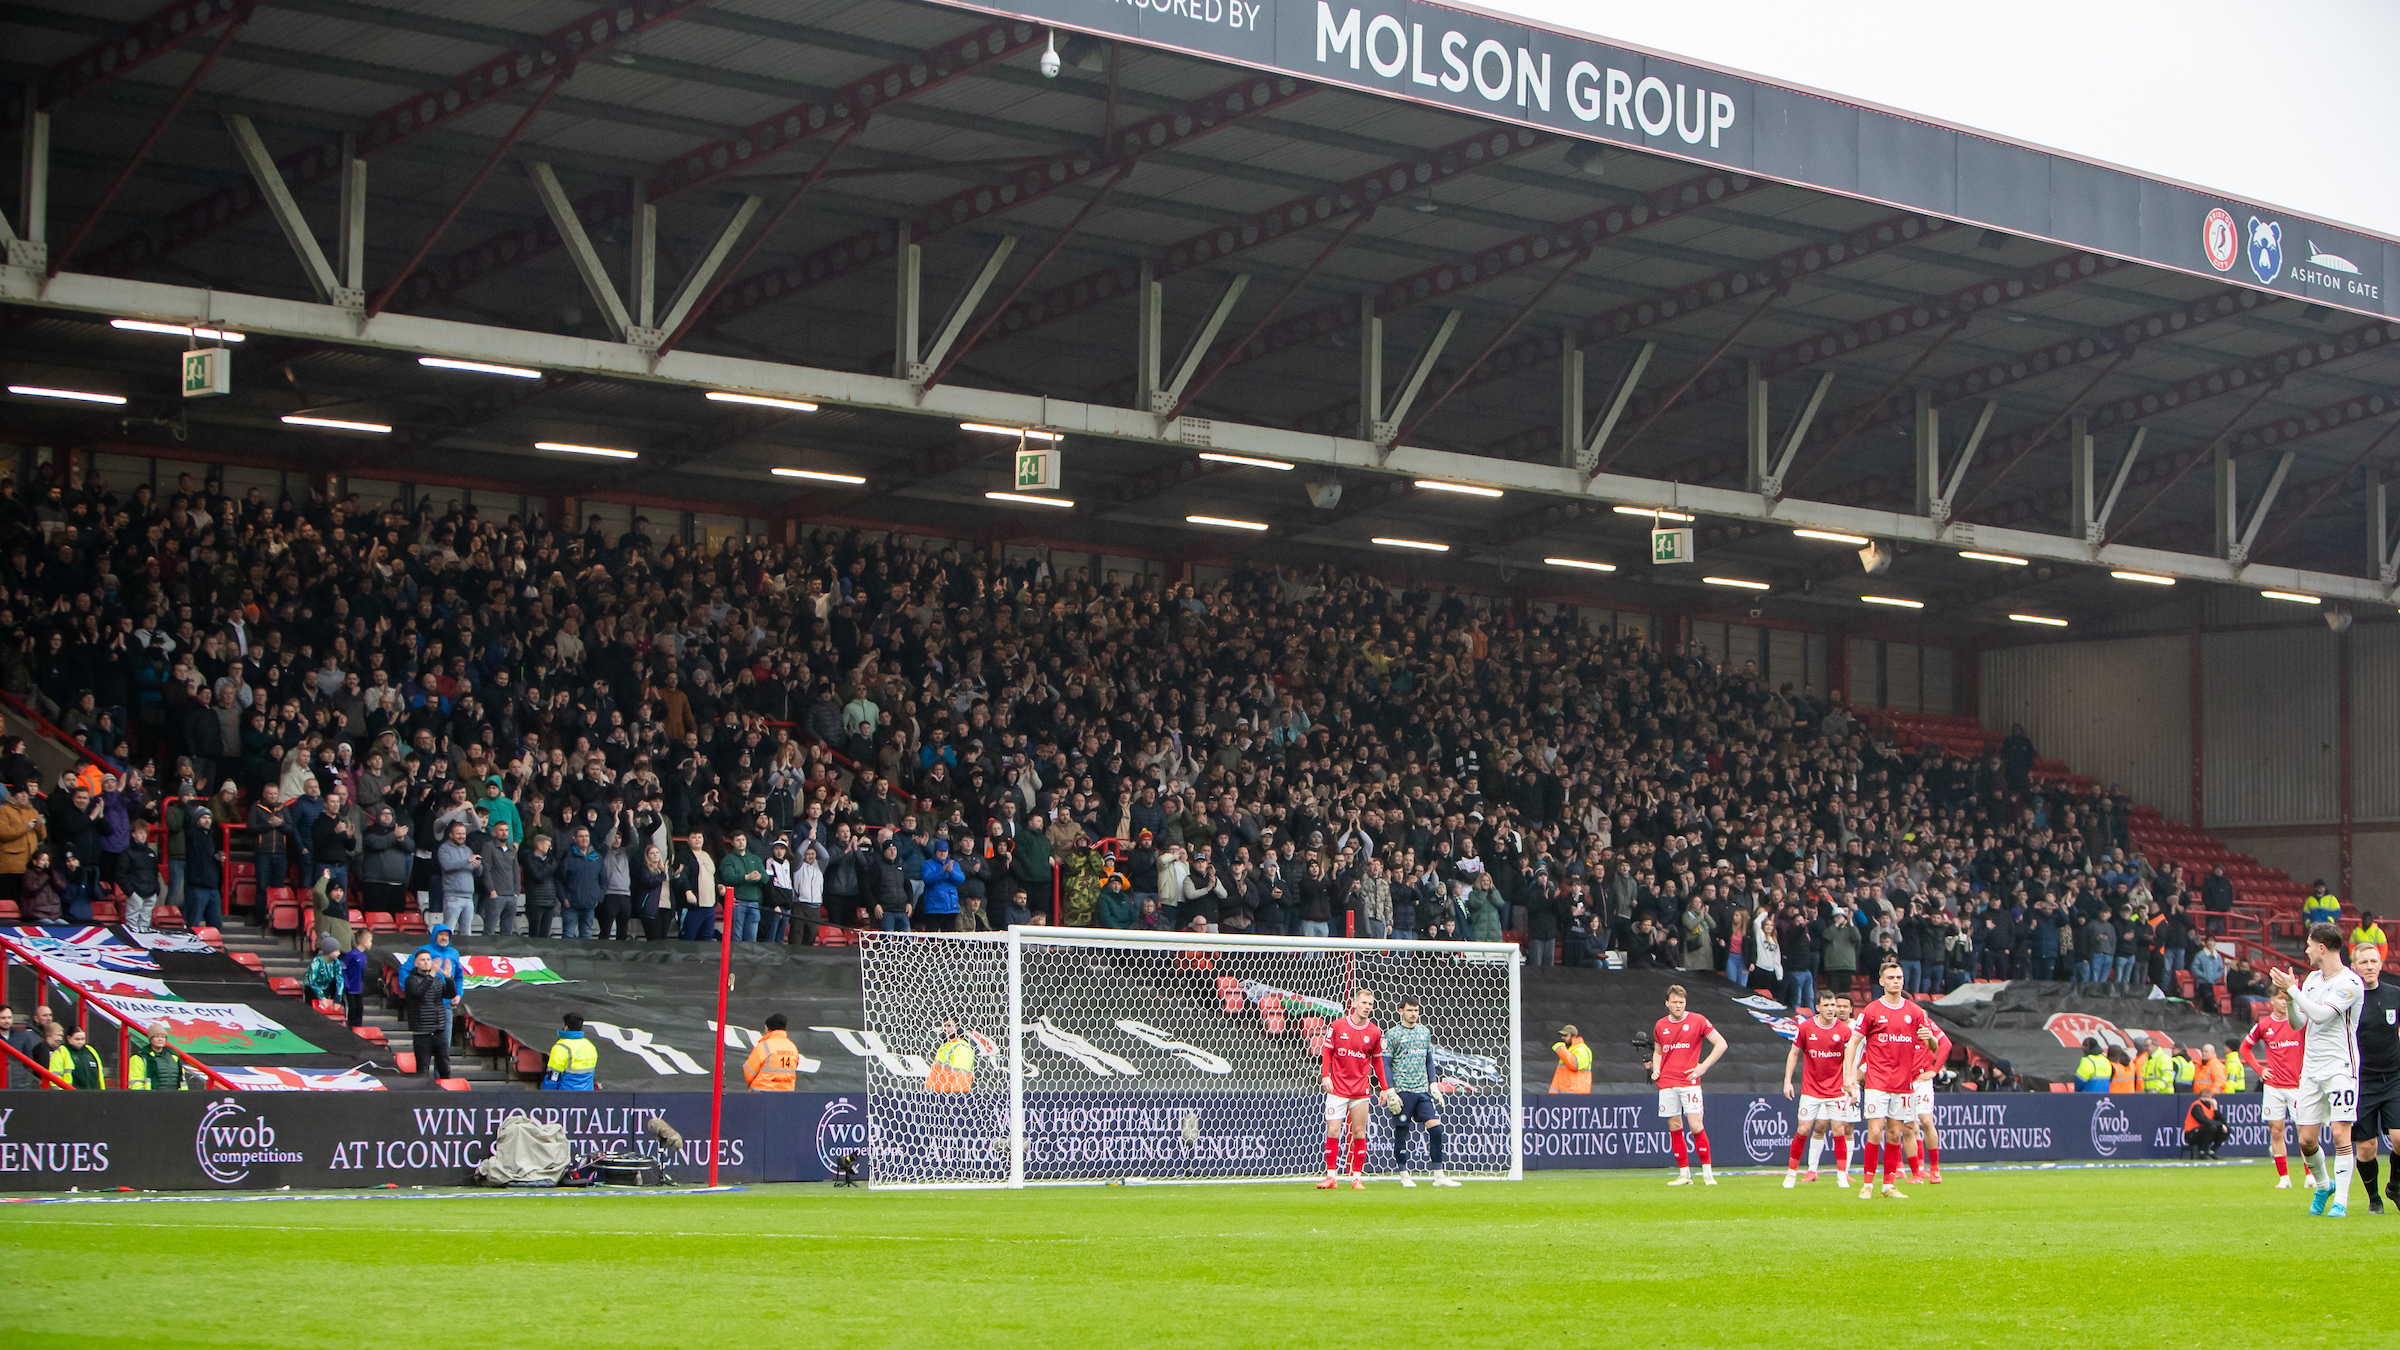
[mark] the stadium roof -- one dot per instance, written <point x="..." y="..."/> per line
<point x="1845" y="341"/>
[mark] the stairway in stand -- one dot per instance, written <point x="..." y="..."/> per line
<point x="281" y="959"/>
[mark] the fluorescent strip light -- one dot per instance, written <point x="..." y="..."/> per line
<point x="336" y="424"/>
<point x="600" y="450"/>
<point x="2043" y="620"/>
<point x="71" y="395"/>
<point x="1833" y="537"/>
<point x="1027" y="432"/>
<point x="761" y="401"/>
<point x="1578" y="562"/>
<point x="2294" y="596"/>
<point x="1227" y="522"/>
<point x="1894" y="601"/>
<point x="1737" y="581"/>
<point x="1022" y="500"/>
<point x="817" y="476"/>
<point x="174" y="330"/>
<point x="2001" y="558"/>
<point x="1436" y="485"/>
<point x="479" y="367"/>
<point x="1389" y="542"/>
<point x="1654" y="512"/>
<point x="1252" y="460"/>
<point x="2147" y="578"/>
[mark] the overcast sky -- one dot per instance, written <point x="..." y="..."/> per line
<point x="2290" y="103"/>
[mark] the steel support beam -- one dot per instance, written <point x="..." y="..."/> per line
<point x="286" y="212"/>
<point x="1792" y="439"/>
<point x="1057" y="242"/>
<point x="1602" y="460"/>
<point x="2116" y="487"/>
<point x="383" y="298"/>
<point x="1387" y="425"/>
<point x="1185" y="400"/>
<point x="1927" y="452"/>
<point x="582" y="357"/>
<point x="1570" y="393"/>
<point x="1281" y="221"/>
<point x="908" y="300"/>
<point x="2388" y="568"/>
<point x="1203" y="337"/>
<point x="1149" y="334"/>
<point x="1524" y="312"/>
<point x="962" y="309"/>
<point x="350" y="221"/>
<point x="2224" y="497"/>
<point x="141" y="42"/>
<point x="641" y="255"/>
<point x="494" y="79"/>
<point x="2215" y="443"/>
<point x="597" y="283"/>
<point x="709" y="267"/>
<point x="2266" y="502"/>
<point x="59" y="261"/>
<point x="1370" y="367"/>
<point x="28" y="244"/>
<point x="1594" y="444"/>
<point x="2082" y="504"/>
<point x="2332" y="483"/>
<point x="971" y="207"/>
<point x="1756" y="443"/>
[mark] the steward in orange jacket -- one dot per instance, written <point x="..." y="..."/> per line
<point x="774" y="1063"/>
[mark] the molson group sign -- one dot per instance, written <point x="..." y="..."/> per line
<point x="1508" y="70"/>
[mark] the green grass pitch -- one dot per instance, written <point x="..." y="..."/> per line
<point x="2050" y="1259"/>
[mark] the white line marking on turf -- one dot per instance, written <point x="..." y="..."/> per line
<point x="545" y="1193"/>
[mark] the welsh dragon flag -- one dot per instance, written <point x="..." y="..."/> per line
<point x="215" y="1028"/>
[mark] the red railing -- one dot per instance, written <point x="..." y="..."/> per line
<point x="21" y="709"/>
<point x="50" y="1079"/>
<point x="85" y="1002"/>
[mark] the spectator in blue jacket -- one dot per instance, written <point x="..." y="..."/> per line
<point x="941" y="872"/>
<point x="581" y="884"/>
<point x="447" y="963"/>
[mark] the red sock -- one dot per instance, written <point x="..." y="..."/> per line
<point x="1841" y="1153"/>
<point x="1871" y="1153"/>
<point x="1891" y="1164"/>
<point x="1358" y="1156"/>
<point x="1799" y="1150"/>
<point x="2283" y="1166"/>
<point x="1682" y="1159"/>
<point x="1933" y="1157"/>
<point x="1700" y="1142"/>
<point x="1333" y="1153"/>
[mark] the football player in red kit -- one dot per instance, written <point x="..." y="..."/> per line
<point x="1892" y="1036"/>
<point x="1353" y="1069"/>
<point x="1819" y="1050"/>
<point x="1676" y="1063"/>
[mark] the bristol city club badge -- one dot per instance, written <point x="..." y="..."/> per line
<point x="2266" y="248"/>
<point x="2218" y="236"/>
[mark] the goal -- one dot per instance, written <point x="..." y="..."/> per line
<point x="1094" y="1055"/>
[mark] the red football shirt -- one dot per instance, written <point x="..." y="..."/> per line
<point x="1888" y="1062"/>
<point x="2282" y="1043"/>
<point x="1931" y="1058"/>
<point x="1353" y="1056"/>
<point x="1679" y="1047"/>
<point x="1821" y="1050"/>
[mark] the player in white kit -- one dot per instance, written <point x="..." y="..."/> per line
<point x="2325" y="1006"/>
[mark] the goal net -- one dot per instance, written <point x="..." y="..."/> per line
<point x="1087" y="1055"/>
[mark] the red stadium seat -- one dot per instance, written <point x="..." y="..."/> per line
<point x="1270" y="1012"/>
<point x="381" y="922"/>
<point x="1229" y="991"/>
<point x="404" y="1060"/>
<point x="283" y="984"/>
<point x="373" y="1035"/>
<point x="249" y="961"/>
<point x="455" y="1084"/>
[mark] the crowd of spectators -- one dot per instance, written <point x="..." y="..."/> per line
<point x="595" y="731"/>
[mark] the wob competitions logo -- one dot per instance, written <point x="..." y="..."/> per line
<point x="232" y="1139"/>
<point x="841" y="1130"/>
<point x="1766" y="1131"/>
<point x="2111" y="1128"/>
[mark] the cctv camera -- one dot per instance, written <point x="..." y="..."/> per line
<point x="2337" y="618"/>
<point x="1050" y="59"/>
<point x="1325" y="496"/>
<point x="1875" y="558"/>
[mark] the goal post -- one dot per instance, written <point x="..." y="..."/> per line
<point x="1045" y="1056"/>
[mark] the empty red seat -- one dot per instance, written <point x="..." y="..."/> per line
<point x="212" y="937"/>
<point x="283" y="984"/>
<point x="371" y="1034"/>
<point x="249" y="961"/>
<point x="404" y="1060"/>
<point x="283" y="918"/>
<point x="454" y="1084"/>
<point x="380" y="922"/>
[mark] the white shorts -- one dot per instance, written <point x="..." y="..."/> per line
<point x="2277" y="1104"/>
<point x="1839" y="1109"/>
<point x="1920" y="1101"/>
<point x="2327" y="1100"/>
<point x="1680" y="1101"/>
<point x="1891" y="1105"/>
<point x="1337" y="1109"/>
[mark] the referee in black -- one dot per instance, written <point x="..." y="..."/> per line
<point x="2378" y="1070"/>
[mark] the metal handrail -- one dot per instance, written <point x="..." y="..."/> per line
<point x="88" y="1000"/>
<point x="29" y="1062"/>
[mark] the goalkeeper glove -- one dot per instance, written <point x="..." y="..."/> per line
<point x="1391" y="1101"/>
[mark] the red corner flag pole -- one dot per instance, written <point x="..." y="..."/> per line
<point x="716" y="1096"/>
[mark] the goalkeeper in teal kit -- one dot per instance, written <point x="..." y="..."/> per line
<point x="1412" y="1097"/>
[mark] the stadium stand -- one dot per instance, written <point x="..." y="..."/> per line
<point x="1279" y="751"/>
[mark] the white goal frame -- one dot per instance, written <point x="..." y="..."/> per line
<point x="1016" y="940"/>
